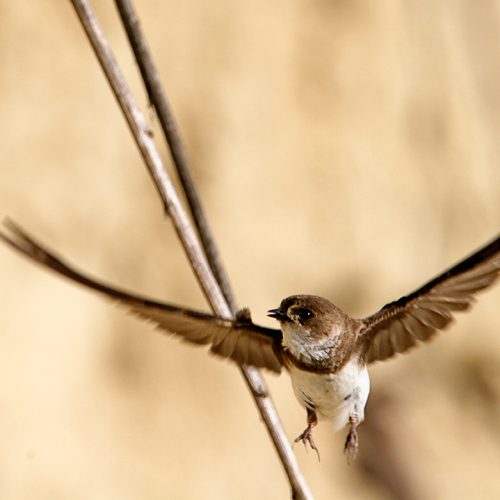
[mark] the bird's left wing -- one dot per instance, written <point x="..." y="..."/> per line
<point x="414" y="318"/>
<point x="240" y="339"/>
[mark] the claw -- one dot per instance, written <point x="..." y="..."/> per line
<point x="351" y="446"/>
<point x="306" y="437"/>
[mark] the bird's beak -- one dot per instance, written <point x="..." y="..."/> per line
<point x="277" y="314"/>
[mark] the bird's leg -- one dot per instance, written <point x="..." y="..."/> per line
<point x="306" y="436"/>
<point x="352" y="441"/>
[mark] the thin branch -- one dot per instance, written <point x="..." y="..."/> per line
<point x="143" y="138"/>
<point x="158" y="99"/>
<point x="186" y="233"/>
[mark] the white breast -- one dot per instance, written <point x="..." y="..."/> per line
<point x="333" y="396"/>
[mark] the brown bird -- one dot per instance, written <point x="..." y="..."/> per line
<point x="325" y="351"/>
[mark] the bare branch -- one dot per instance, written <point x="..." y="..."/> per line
<point x="158" y="99"/>
<point x="142" y="136"/>
<point x="186" y="233"/>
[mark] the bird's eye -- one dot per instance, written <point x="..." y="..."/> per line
<point x="303" y="314"/>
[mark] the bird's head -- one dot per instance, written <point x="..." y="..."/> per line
<point x="312" y="326"/>
<point x="309" y="314"/>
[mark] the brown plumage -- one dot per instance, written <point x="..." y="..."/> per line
<point x="240" y="339"/>
<point x="417" y="317"/>
<point x="324" y="349"/>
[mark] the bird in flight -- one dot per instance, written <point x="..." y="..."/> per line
<point x="325" y="351"/>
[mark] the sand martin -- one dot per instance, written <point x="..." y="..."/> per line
<point x="325" y="351"/>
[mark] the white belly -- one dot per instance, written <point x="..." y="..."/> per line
<point x="336" y="396"/>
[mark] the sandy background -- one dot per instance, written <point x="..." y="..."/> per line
<point x="347" y="149"/>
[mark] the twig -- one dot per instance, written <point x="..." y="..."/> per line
<point x="142" y="136"/>
<point x="185" y="231"/>
<point x="159" y="100"/>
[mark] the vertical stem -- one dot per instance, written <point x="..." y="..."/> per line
<point x="187" y="235"/>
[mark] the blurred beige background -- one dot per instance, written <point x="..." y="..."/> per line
<point x="347" y="149"/>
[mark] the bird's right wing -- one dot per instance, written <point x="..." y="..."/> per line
<point x="240" y="339"/>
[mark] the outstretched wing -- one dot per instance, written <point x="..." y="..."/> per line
<point x="239" y="339"/>
<point x="415" y="318"/>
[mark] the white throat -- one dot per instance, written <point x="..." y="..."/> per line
<point x="304" y="346"/>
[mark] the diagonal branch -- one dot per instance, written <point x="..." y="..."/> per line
<point x="158" y="99"/>
<point x="186" y="234"/>
<point x="143" y="138"/>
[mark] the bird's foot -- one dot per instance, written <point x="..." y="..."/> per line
<point x="306" y="438"/>
<point x="352" y="441"/>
